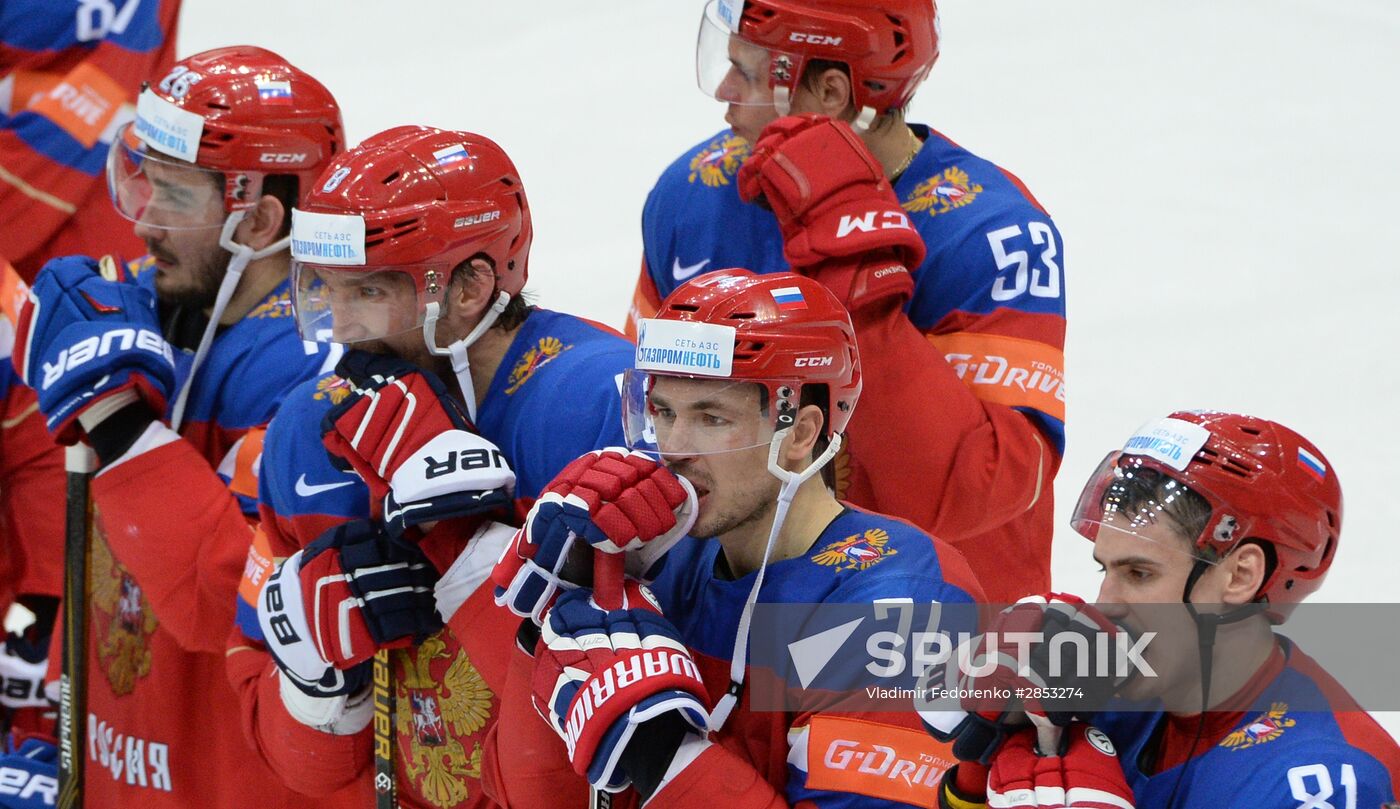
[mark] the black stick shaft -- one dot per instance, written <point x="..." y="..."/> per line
<point x="72" y="706"/>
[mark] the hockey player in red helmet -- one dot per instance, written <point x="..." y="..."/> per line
<point x="382" y="483"/>
<point x="1235" y="519"/>
<point x="964" y="348"/>
<point x="742" y="389"/>
<point x="168" y="367"/>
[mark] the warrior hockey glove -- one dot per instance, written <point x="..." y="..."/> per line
<point x="615" y="501"/>
<point x="1084" y="773"/>
<point x="88" y="344"/>
<point x="840" y="219"/>
<point x="599" y="674"/>
<point x="1033" y="648"/>
<point x="405" y="435"/>
<point x="330" y="606"/>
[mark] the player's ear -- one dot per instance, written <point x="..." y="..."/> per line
<point x="262" y="224"/>
<point x="1246" y="567"/>
<point x="832" y="87"/>
<point x="806" y="429"/>
<point x="471" y="290"/>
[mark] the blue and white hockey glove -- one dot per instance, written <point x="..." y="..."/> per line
<point x="86" y="343"/>
<point x="407" y="437"/>
<point x="600" y="674"/>
<point x="28" y="773"/>
<point x="610" y="500"/>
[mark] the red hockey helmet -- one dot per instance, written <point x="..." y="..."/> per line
<point x="235" y="115"/>
<point x="781" y="331"/>
<point x="392" y="218"/>
<point x="1262" y="482"/>
<point x="889" y="45"/>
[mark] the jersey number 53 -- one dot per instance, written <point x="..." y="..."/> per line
<point x="1017" y="275"/>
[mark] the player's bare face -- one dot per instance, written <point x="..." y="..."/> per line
<point x="746" y="90"/>
<point x="1150" y="567"/>
<point x="715" y="434"/>
<point x="189" y="262"/>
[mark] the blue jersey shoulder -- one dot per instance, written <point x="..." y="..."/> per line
<point x="253" y="364"/>
<point x="858" y="558"/>
<point x="694" y="221"/>
<point x="973" y="216"/>
<point x="296" y="476"/>
<point x="555" y="396"/>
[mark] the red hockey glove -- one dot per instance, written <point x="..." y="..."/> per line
<point x="1084" y="773"/>
<point x="333" y="604"/>
<point x="408" y="438"/>
<point x="615" y="500"/>
<point x="840" y="219"/>
<point x="1048" y="673"/>
<point x="599" y="674"/>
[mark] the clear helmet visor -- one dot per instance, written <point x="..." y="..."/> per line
<point x="1128" y="497"/>
<point x="160" y="191"/>
<point x="339" y="304"/>
<point x="733" y="70"/>
<point x="665" y="415"/>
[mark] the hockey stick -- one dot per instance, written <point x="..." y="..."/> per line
<point x="79" y="462"/>
<point x="384" y="792"/>
<point x="607" y="593"/>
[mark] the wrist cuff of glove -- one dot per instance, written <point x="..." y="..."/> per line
<point x="952" y="796"/>
<point x="648" y="756"/>
<point x="113" y="425"/>
<point x="344" y="715"/>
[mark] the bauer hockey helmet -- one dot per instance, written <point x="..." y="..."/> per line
<point x="1262" y="482"/>
<point x="755" y="51"/>
<point x="388" y="222"/>
<point x="782" y="331"/>
<point x="235" y="115"/>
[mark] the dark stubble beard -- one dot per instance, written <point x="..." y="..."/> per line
<point x="207" y="274"/>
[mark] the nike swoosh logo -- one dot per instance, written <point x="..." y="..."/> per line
<point x="305" y="489"/>
<point x="681" y="273"/>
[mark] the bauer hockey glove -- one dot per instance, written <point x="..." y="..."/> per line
<point x="1082" y="772"/>
<point x="24" y="665"/>
<point x="408" y="438"/>
<point x="328" y="607"/>
<point x="1050" y="649"/>
<point x="30" y="768"/>
<point x="840" y="219"/>
<point x="88" y="344"/>
<point x="612" y="500"/>
<point x="600" y="674"/>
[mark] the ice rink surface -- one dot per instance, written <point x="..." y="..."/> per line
<point x="1224" y="174"/>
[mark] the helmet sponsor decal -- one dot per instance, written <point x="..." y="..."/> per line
<point x="325" y="238"/>
<point x="680" y="347"/>
<point x="1172" y="441"/>
<point x="166" y="128"/>
<point x="730" y="11"/>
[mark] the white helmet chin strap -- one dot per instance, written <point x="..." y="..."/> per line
<point x="242" y="256"/>
<point x="457" y="351"/>
<point x="782" y="102"/>
<point x="792" y="481"/>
